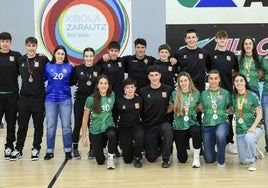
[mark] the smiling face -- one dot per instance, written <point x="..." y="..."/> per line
<point x="239" y="83"/>
<point x="5" y="45"/>
<point x="31" y="49"/>
<point x="59" y="56"/>
<point x="221" y="42"/>
<point x="154" y="78"/>
<point x="140" y="51"/>
<point x="164" y="55"/>
<point x="191" y="40"/>
<point x="248" y="46"/>
<point x="214" y="81"/>
<point x="89" y="58"/>
<point x="184" y="83"/>
<point x="130" y="90"/>
<point x="103" y="86"/>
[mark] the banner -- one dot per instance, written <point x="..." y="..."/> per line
<point x="77" y="24"/>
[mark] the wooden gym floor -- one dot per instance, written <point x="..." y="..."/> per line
<point x="25" y="173"/>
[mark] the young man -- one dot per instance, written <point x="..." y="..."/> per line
<point x="193" y="59"/>
<point x="227" y="64"/>
<point x="8" y="89"/>
<point x="31" y="100"/>
<point x="155" y="122"/>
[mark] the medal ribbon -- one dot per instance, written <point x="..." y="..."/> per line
<point x="214" y="103"/>
<point x="186" y="103"/>
<point x="240" y="104"/>
<point x="248" y="65"/>
<point x="30" y="71"/>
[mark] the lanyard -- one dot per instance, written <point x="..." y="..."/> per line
<point x="240" y="104"/>
<point x="186" y="103"/>
<point x="215" y="103"/>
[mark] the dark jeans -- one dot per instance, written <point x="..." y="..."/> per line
<point x="131" y="142"/>
<point x="28" y="107"/>
<point x="151" y="135"/>
<point x="8" y="107"/>
<point x="181" y="138"/>
<point x="99" y="140"/>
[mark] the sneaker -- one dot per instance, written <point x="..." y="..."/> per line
<point x="221" y="165"/>
<point x="230" y="148"/>
<point x="110" y="164"/>
<point x="35" y="154"/>
<point x="76" y="154"/>
<point x="68" y="155"/>
<point x="117" y="153"/>
<point x="15" y="155"/>
<point x="48" y="156"/>
<point x="7" y="153"/>
<point x="165" y="164"/>
<point x="252" y="167"/>
<point x="91" y="154"/>
<point x="137" y="162"/>
<point x="259" y="153"/>
<point x="196" y="162"/>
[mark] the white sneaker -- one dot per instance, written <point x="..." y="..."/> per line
<point x="7" y="153"/>
<point x="196" y="162"/>
<point x="221" y="165"/>
<point x="110" y="164"/>
<point x="252" y="167"/>
<point x="259" y="152"/>
<point x="230" y="149"/>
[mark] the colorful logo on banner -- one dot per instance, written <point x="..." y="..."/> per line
<point x="207" y="3"/>
<point x="82" y="23"/>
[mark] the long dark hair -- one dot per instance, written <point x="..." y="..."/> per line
<point x="55" y="50"/>
<point x="96" y="95"/>
<point x="255" y="55"/>
<point x="245" y="79"/>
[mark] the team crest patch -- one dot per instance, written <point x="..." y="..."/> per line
<point x="228" y="58"/>
<point x="109" y="65"/>
<point x="148" y="96"/>
<point x="36" y="64"/>
<point x="64" y="70"/>
<point x="164" y="94"/>
<point x="95" y="74"/>
<point x="170" y="68"/>
<point x="137" y="106"/>
<point x="185" y="57"/>
<point x="201" y="56"/>
<point x="145" y="61"/>
<point x="82" y="73"/>
<point x="109" y="100"/>
<point x="11" y="58"/>
<point x="215" y="57"/>
<point x="124" y="107"/>
<point x="119" y="64"/>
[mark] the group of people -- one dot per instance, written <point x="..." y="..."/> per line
<point x="162" y="100"/>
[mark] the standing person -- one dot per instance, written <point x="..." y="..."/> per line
<point x="130" y="131"/>
<point x="193" y="59"/>
<point x="249" y="114"/>
<point x="264" y="101"/>
<point x="184" y="101"/>
<point x="99" y="121"/>
<point x="85" y="76"/>
<point x="32" y="99"/>
<point x="58" y="101"/>
<point x="227" y="64"/>
<point x="215" y="102"/>
<point x="8" y="89"/>
<point x="154" y="117"/>
<point x="250" y="64"/>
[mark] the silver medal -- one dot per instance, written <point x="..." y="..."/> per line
<point x="186" y="118"/>
<point x="215" y="116"/>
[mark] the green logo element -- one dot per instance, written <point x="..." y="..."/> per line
<point x="188" y="3"/>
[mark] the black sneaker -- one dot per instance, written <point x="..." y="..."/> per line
<point x="165" y="164"/>
<point x="35" y="154"/>
<point x="7" y="153"/>
<point x="137" y="162"/>
<point x="49" y="156"/>
<point x="91" y="154"/>
<point x="15" y="155"/>
<point x="68" y="155"/>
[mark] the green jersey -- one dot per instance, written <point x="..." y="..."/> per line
<point x="264" y="68"/>
<point x="188" y="119"/>
<point x="249" y="69"/>
<point x="215" y="105"/>
<point x="99" y="122"/>
<point x="249" y="104"/>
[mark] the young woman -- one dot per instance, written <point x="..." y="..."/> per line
<point x="250" y="63"/>
<point x="264" y="101"/>
<point x="98" y="118"/>
<point x="183" y="102"/>
<point x="85" y="76"/>
<point x="58" y="101"/>
<point x="248" y="114"/>
<point x="215" y="102"/>
<point x="130" y="131"/>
